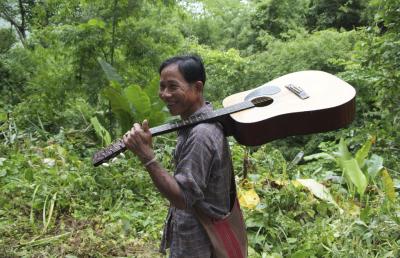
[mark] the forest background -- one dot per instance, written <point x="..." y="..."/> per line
<point x="76" y="74"/>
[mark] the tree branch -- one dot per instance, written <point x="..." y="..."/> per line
<point x="20" y="30"/>
<point x="23" y="22"/>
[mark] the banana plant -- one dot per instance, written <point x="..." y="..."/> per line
<point x="132" y="103"/>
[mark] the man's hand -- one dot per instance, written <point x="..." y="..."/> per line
<point x="138" y="140"/>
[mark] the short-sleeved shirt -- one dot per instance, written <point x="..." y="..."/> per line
<point x="203" y="172"/>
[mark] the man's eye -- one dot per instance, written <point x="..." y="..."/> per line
<point x="173" y="87"/>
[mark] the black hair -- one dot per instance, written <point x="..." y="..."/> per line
<point x="190" y="66"/>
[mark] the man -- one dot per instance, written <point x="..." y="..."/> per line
<point x="202" y="177"/>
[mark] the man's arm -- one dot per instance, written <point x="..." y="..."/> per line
<point x="139" y="141"/>
<point x="167" y="185"/>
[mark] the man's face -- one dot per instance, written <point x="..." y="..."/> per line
<point x="180" y="96"/>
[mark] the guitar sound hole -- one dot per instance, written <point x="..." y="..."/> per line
<point x="262" y="101"/>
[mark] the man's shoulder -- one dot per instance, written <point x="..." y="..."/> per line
<point x="207" y="134"/>
<point x="208" y="129"/>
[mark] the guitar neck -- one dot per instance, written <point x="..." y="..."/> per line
<point x="118" y="147"/>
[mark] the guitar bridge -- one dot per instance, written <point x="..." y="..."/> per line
<point x="298" y="91"/>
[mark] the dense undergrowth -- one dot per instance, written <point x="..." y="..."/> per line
<point x="54" y="202"/>
<point x="62" y="205"/>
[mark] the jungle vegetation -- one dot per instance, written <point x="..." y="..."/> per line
<point x="74" y="75"/>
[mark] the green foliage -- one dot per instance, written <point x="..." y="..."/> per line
<point x="63" y="199"/>
<point x="359" y="170"/>
<point x="129" y="104"/>
<point x="351" y="167"/>
<point x="388" y="186"/>
<point x="147" y="40"/>
<point x="132" y="103"/>
<point x="47" y="91"/>
<point x="374" y="71"/>
<point x="276" y="18"/>
<point x="19" y="15"/>
<point x="290" y="222"/>
<point x="16" y="68"/>
<point x="353" y="172"/>
<point x="7" y="39"/>
<point x="53" y="88"/>
<point x="77" y="113"/>
<point x="110" y="72"/>
<point x="388" y="12"/>
<point x="101" y="132"/>
<point x="345" y="14"/>
<point x="220" y="24"/>
<point x="317" y="51"/>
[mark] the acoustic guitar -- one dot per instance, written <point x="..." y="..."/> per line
<point x="294" y="104"/>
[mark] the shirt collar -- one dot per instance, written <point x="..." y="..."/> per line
<point x="207" y="107"/>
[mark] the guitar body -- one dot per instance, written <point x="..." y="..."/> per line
<point x="324" y="102"/>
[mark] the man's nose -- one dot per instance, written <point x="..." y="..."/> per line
<point x="164" y="94"/>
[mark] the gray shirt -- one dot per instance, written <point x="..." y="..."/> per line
<point x="203" y="171"/>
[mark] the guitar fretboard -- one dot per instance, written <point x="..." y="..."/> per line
<point x="201" y="118"/>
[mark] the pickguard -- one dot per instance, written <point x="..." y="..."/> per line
<point x="263" y="91"/>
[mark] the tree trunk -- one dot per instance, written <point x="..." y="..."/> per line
<point x="20" y="28"/>
<point x="112" y="49"/>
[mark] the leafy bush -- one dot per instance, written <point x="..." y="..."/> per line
<point x="53" y="196"/>
<point x="17" y="67"/>
<point x="336" y="14"/>
<point x="317" y="51"/>
<point x="7" y="39"/>
<point x="279" y="17"/>
<point x="132" y="103"/>
<point x="374" y="71"/>
<point x="294" y="221"/>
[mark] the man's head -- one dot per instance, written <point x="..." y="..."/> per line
<point x="182" y="80"/>
<point x="190" y="66"/>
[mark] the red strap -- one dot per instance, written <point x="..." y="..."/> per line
<point x="231" y="244"/>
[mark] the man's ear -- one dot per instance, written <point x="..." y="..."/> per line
<point x="199" y="86"/>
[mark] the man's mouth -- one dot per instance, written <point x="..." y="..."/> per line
<point x="170" y="105"/>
